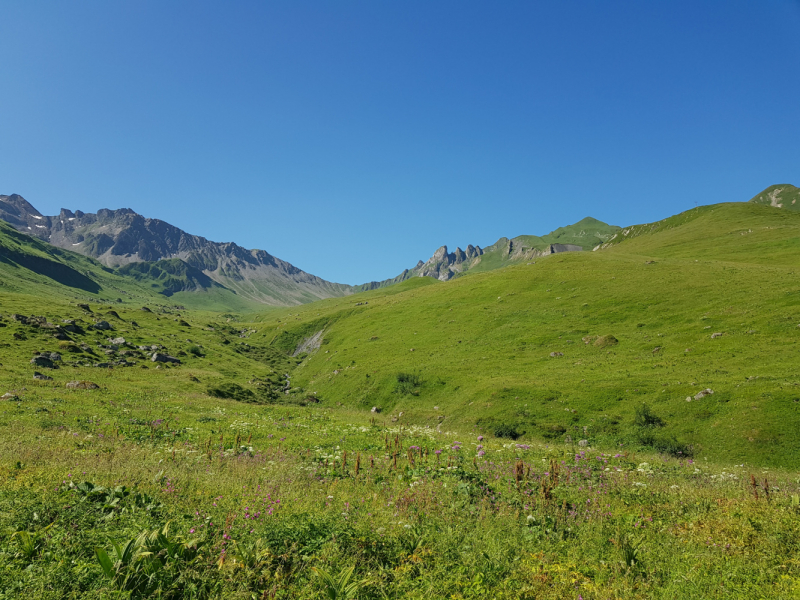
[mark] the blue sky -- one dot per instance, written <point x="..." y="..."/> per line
<point x="354" y="138"/>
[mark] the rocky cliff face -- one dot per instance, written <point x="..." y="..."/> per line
<point x="120" y="237"/>
<point x="445" y="265"/>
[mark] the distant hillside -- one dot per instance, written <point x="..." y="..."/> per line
<point x="444" y="265"/>
<point x="121" y="237"/>
<point x="783" y="195"/>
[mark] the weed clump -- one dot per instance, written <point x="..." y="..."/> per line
<point x="504" y="430"/>
<point x="408" y="384"/>
<point x="645" y="418"/>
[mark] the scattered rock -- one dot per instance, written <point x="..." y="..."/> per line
<point x="375" y="409"/>
<point x="556" y="354"/>
<point x="85" y="307"/>
<point x="688" y="398"/>
<point x="702" y="394"/>
<point x="568" y="439"/>
<point x="656" y="349"/>
<point x="412" y="350"/>
<point x="119" y="341"/>
<point x="604" y="341"/>
<point x="9" y="396"/>
<point x="82" y="385"/>
<point x="113" y="313"/>
<point x="165" y="358"/>
<point x="145" y="309"/>
<point x="716" y="335"/>
<point x="102" y="325"/>
<point x="649" y="262"/>
<point x="40" y="377"/>
<point x="583" y="443"/>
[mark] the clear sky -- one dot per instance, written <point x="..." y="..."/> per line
<point x="354" y="138"/>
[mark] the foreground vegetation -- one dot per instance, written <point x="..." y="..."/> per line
<point x="161" y="496"/>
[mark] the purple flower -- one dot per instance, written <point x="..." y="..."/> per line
<point x="480" y="438"/>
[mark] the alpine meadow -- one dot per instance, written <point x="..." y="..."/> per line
<point x="449" y="300"/>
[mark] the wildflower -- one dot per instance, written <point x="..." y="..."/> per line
<point x="480" y="438"/>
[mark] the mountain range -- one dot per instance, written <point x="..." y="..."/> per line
<point x="166" y="260"/>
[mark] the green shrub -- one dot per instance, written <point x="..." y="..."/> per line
<point x="233" y="391"/>
<point x="645" y="417"/>
<point x="504" y="430"/>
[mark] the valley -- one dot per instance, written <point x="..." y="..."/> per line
<point x="595" y="424"/>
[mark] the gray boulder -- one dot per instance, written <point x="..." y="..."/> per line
<point x="82" y="385"/>
<point x="165" y="358"/>
<point x="102" y="325"/>
<point x="40" y="377"/>
<point x="117" y="341"/>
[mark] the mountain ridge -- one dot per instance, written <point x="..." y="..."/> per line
<point x="118" y="237"/>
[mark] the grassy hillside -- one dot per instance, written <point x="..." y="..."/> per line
<point x="522" y="350"/>
<point x="480" y="346"/>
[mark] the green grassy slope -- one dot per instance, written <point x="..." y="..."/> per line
<point x="734" y="232"/>
<point x="481" y="345"/>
